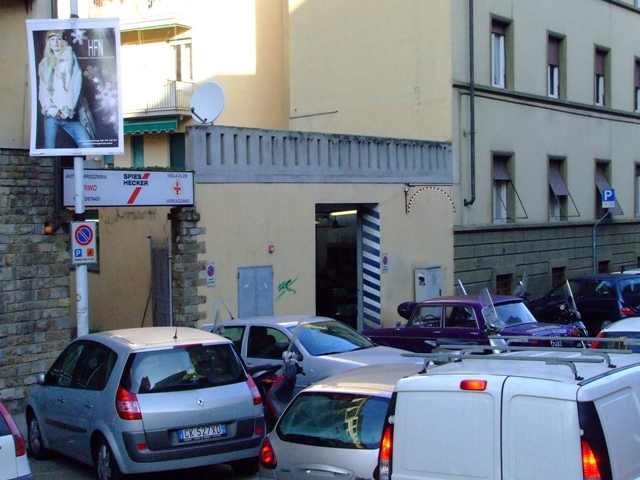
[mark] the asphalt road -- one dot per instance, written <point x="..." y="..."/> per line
<point x="59" y="467"/>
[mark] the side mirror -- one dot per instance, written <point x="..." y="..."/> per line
<point x="405" y="309"/>
<point x="40" y="379"/>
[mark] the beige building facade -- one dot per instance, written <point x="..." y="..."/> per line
<point x="522" y="112"/>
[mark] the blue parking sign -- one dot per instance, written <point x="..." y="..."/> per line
<point x="608" y="198"/>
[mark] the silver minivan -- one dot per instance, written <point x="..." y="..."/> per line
<point x="332" y="429"/>
<point x="147" y="399"/>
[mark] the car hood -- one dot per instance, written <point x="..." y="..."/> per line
<point x="372" y="356"/>
<point x="538" y="329"/>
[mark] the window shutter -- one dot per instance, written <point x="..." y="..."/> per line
<point x="637" y="74"/>
<point x="601" y="55"/>
<point x="498" y="27"/>
<point x="553" y="51"/>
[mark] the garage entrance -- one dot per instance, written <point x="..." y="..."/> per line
<point x="348" y="268"/>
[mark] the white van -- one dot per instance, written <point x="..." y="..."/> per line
<point x="557" y="415"/>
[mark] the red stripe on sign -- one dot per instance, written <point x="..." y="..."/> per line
<point x="134" y="195"/>
<point x="146" y="175"/>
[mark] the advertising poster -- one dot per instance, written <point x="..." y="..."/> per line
<point x="76" y="106"/>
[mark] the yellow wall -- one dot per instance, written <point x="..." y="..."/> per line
<point x="372" y="67"/>
<point x="242" y="220"/>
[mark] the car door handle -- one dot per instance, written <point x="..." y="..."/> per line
<point x="88" y="405"/>
<point x="60" y="399"/>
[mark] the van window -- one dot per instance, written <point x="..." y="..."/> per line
<point x="339" y="420"/>
<point x="188" y="368"/>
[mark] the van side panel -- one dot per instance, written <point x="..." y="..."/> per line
<point x="620" y="417"/>
<point x="541" y="431"/>
<point x="443" y="432"/>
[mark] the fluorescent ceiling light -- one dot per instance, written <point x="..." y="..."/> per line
<point x="344" y="212"/>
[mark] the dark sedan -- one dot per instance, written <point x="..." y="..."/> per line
<point x="464" y="319"/>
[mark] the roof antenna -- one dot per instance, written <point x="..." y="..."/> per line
<point x="226" y="308"/>
<point x="175" y="335"/>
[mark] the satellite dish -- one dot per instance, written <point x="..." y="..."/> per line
<point x="207" y="102"/>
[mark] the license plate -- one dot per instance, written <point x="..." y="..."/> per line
<point x="199" y="433"/>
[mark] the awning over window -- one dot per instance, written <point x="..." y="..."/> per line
<point x="556" y="182"/>
<point x="157" y="125"/>
<point x="500" y="169"/>
<point x="601" y="184"/>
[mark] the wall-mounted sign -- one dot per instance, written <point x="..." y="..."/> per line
<point x="130" y="188"/>
<point x="76" y="106"/>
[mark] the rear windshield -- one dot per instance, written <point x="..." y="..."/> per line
<point x="618" y="344"/>
<point x="336" y="420"/>
<point x="325" y="338"/>
<point x="183" y="368"/>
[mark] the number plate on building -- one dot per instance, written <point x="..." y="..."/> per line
<point x="199" y="433"/>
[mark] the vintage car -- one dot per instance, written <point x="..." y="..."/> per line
<point x="467" y="319"/>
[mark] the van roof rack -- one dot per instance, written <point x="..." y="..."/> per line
<point x="449" y="353"/>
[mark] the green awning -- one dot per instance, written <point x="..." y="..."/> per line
<point x="157" y="125"/>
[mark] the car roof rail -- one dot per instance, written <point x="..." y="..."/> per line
<point x="456" y="353"/>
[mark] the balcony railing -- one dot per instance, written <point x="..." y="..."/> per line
<point x="147" y="100"/>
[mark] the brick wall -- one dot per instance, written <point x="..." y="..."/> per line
<point x="35" y="321"/>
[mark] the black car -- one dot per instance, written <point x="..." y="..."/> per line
<point x="601" y="299"/>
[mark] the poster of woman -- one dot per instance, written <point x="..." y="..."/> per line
<point x="76" y="106"/>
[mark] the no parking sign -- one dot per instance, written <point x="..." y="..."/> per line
<point x="83" y="243"/>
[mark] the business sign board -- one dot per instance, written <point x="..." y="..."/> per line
<point x="130" y="188"/>
<point x="83" y="243"/>
<point x="76" y="101"/>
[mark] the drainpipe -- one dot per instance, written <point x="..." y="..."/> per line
<point x="595" y="266"/>
<point x="472" y="112"/>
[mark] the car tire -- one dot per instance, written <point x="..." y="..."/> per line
<point x="105" y="463"/>
<point x="36" y="443"/>
<point x="247" y="466"/>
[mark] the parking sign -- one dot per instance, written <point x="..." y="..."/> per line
<point x="608" y="198"/>
<point x="83" y="243"/>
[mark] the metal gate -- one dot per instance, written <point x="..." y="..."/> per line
<point x="161" y="293"/>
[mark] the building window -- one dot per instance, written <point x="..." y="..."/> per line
<point x="504" y="284"/>
<point x="498" y="54"/>
<point x="553" y="66"/>
<point x="184" y="65"/>
<point x="137" y="151"/>
<point x="558" y="191"/>
<point x="603" y="266"/>
<point x="501" y="180"/>
<point x="637" y="85"/>
<point x="600" y="77"/>
<point x="109" y="161"/>
<point x="558" y="275"/>
<point x="602" y="182"/>
<point x="637" y="190"/>
<point x="176" y="150"/>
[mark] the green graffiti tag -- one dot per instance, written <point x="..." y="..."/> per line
<point x="285" y="287"/>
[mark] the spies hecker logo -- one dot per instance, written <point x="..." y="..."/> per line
<point x="137" y="179"/>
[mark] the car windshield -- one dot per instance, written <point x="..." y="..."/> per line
<point x="326" y="338"/>
<point x="630" y="290"/>
<point x="511" y="314"/>
<point x="185" y="368"/>
<point x="338" y="420"/>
